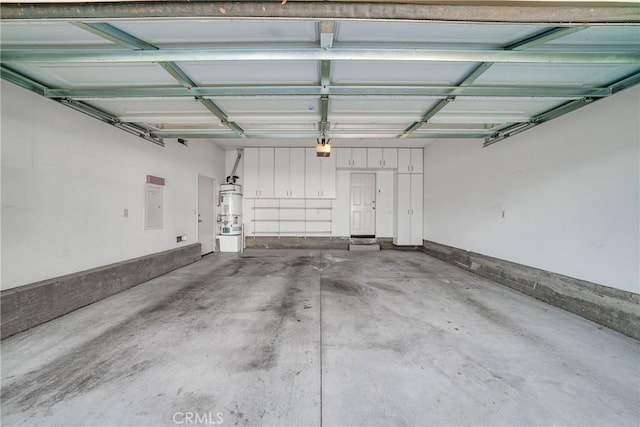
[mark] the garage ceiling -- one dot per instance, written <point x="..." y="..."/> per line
<point x="216" y="77"/>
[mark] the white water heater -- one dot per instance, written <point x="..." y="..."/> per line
<point x="230" y="217"/>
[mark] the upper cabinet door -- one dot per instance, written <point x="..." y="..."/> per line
<point x="385" y="158"/>
<point x="410" y="160"/>
<point x="417" y="160"/>
<point x="251" y="168"/>
<point x="358" y="157"/>
<point x="349" y="158"/>
<point x="296" y="173"/>
<point x="390" y="158"/>
<point x="343" y="157"/>
<point x="281" y="173"/>
<point x="404" y="160"/>
<point x="374" y="158"/>
<point x="266" y="172"/>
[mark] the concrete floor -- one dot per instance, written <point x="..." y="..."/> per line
<point x="303" y="338"/>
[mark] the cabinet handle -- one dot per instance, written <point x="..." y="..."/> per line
<point x="384" y="163"/>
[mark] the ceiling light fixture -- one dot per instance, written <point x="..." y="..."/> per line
<point x="323" y="146"/>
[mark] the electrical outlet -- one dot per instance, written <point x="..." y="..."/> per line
<point x="125" y="213"/>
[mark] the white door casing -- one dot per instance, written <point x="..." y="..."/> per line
<point x="363" y="204"/>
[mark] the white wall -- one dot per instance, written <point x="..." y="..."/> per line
<point x="66" y="179"/>
<point x="569" y="190"/>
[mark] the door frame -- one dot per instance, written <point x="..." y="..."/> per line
<point x="375" y="193"/>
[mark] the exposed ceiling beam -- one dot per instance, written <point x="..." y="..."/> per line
<point x="109" y="32"/>
<point x="327" y="33"/>
<point x="558" y="111"/>
<point x="39" y="88"/>
<point x="425" y="118"/>
<point x="538" y="39"/>
<point x="334" y="134"/>
<point x="552" y="13"/>
<point x="16" y="78"/>
<point x="381" y="90"/>
<point x="531" y="41"/>
<point x="114" y="34"/>
<point x="544" y="37"/>
<point x="324" y="114"/>
<point x="317" y="54"/>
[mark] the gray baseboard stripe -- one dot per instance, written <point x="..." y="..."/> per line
<point x="294" y="242"/>
<point x="30" y="305"/>
<point x="614" y="308"/>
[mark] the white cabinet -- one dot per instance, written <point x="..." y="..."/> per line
<point x="320" y="176"/>
<point x="410" y="160"/>
<point x="382" y="158"/>
<point x="349" y="158"/>
<point x="289" y="173"/>
<point x="408" y="227"/>
<point x="258" y="172"/>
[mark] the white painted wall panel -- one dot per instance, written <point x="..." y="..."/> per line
<point x="569" y="191"/>
<point x="66" y="180"/>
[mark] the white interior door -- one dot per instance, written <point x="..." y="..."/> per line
<point x="206" y="224"/>
<point x="363" y="204"/>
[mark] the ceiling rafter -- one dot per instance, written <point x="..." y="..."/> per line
<point x="528" y="42"/>
<point x="222" y="91"/>
<point x="558" y="111"/>
<point x="39" y="88"/>
<point x="327" y="32"/>
<point x="350" y="134"/>
<point x="100" y="56"/>
<point x="114" y="34"/>
<point x="385" y="94"/>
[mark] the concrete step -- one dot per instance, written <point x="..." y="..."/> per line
<point x="364" y="248"/>
<point x="363" y="244"/>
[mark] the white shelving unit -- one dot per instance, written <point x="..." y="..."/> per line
<point x="291" y="217"/>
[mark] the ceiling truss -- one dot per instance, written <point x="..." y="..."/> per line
<point x="330" y="53"/>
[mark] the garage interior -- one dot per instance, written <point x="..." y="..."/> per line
<point x="320" y="213"/>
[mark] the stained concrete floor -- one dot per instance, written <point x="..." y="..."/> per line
<point x="304" y="338"/>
